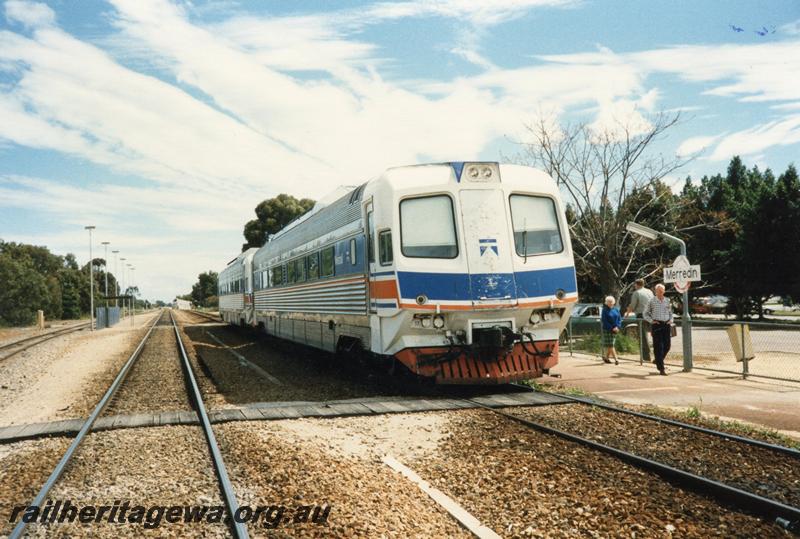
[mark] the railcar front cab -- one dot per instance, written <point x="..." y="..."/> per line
<point x="472" y="276"/>
<point x="235" y="290"/>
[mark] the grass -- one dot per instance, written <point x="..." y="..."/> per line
<point x="692" y="414"/>
<point x="593" y="344"/>
<point x="557" y="389"/>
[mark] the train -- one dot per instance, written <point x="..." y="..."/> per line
<point x="458" y="273"/>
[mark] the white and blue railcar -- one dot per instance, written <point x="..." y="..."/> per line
<point x="462" y="272"/>
<point x="235" y="292"/>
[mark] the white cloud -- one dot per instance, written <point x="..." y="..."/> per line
<point x="792" y="28"/>
<point x="74" y="98"/>
<point x="486" y="12"/>
<point x="693" y="145"/>
<point x="759" y="72"/>
<point x="171" y="234"/>
<point x="757" y="139"/>
<point x="30" y="14"/>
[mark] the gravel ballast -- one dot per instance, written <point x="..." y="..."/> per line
<point x="156" y="466"/>
<point x="523" y="483"/>
<point x="155" y="382"/>
<point x="754" y="469"/>
<point x="304" y="373"/>
<point x="269" y="467"/>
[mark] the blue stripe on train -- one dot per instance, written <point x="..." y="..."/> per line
<point x="457" y="286"/>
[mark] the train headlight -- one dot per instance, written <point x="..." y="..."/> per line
<point x="473" y="172"/>
<point x="535" y="318"/>
<point x="438" y="321"/>
<point x="486" y="172"/>
<point x="426" y="322"/>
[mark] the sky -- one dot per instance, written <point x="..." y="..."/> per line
<point x="163" y="123"/>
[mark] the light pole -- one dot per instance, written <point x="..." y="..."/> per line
<point x="133" y="297"/>
<point x="105" y="266"/>
<point x="686" y="320"/>
<point x="91" y="279"/>
<point x="116" y="279"/>
<point x="122" y="285"/>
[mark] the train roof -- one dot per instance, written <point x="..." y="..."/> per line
<point x="343" y="206"/>
<point x="234" y="263"/>
<point x="319" y="220"/>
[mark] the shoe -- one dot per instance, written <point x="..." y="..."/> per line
<point x="606" y="360"/>
<point x="616" y="362"/>
<point x="662" y="373"/>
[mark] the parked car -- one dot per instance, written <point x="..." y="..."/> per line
<point x="585" y="319"/>
<point x="701" y="306"/>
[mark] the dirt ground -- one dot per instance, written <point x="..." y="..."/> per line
<point x="64" y="377"/>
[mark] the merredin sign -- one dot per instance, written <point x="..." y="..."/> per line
<point x="673" y="274"/>
<point x="681" y="273"/>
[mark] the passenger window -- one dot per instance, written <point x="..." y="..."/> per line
<point x="353" y="257"/>
<point x="427" y="227"/>
<point x="326" y="262"/>
<point x="535" y="225"/>
<point x="300" y="269"/>
<point x="370" y="238"/>
<point x="291" y="276"/>
<point x="313" y="266"/>
<point x="385" y="247"/>
<point x="277" y="275"/>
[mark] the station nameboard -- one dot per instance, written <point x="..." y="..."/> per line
<point x="682" y="273"/>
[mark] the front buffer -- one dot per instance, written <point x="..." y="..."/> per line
<point x="496" y="360"/>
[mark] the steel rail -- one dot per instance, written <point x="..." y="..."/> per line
<point x="785" y="516"/>
<point x="87" y="425"/>
<point x="743" y="439"/>
<point x="41" y="338"/>
<point x="239" y="528"/>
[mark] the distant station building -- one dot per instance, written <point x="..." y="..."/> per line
<point x="182" y="304"/>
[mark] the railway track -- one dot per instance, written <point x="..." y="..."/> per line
<point x="237" y="529"/>
<point x="785" y="515"/>
<point x="8" y="350"/>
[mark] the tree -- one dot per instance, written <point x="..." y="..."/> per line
<point x="71" y="281"/>
<point x="733" y="253"/>
<point x="204" y="289"/>
<point x="598" y="171"/>
<point x="24" y="291"/>
<point x="65" y="291"/>
<point x="773" y="230"/>
<point x="272" y="215"/>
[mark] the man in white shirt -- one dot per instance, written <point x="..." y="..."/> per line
<point x="659" y="314"/>
<point x="639" y="300"/>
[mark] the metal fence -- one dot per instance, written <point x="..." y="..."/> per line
<point x="749" y="349"/>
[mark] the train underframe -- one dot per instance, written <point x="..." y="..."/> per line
<point x="474" y="365"/>
<point x="497" y="356"/>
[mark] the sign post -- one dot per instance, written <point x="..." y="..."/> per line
<point x="682" y="274"/>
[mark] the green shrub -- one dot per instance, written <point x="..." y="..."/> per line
<point x="593" y="344"/>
